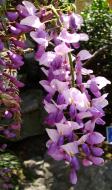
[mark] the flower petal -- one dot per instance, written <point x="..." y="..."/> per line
<point x="32" y="21"/>
<point x="70" y="148"/>
<point x="47" y="87"/>
<point x="40" y="39"/>
<point x="53" y="134"/>
<point x="84" y="54"/>
<point x="100" y="102"/>
<point x="62" y="49"/>
<point x="55" y="153"/>
<point x="67" y="37"/>
<point x="86" y="162"/>
<point x="47" y="58"/>
<point x="95" y="138"/>
<point x="97" y="151"/>
<point x="97" y="160"/>
<point x="83" y="139"/>
<point x="59" y="85"/>
<point x="30" y="7"/>
<point x="73" y="177"/>
<point x="76" y="20"/>
<point x="84" y="37"/>
<point x="49" y="107"/>
<point x="102" y="82"/>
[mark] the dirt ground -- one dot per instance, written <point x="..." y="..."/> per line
<point x="43" y="173"/>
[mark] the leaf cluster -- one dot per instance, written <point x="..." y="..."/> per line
<point x="98" y="24"/>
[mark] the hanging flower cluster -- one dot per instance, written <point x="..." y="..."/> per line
<point x="74" y="102"/>
<point x="11" y="59"/>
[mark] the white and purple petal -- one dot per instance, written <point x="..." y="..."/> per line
<point x="53" y="134"/>
<point x="30" y="7"/>
<point x="62" y="49"/>
<point x="32" y="21"/>
<point x="71" y="148"/>
<point x="84" y="55"/>
<point x="67" y="37"/>
<point x="95" y="138"/>
<point x="73" y="176"/>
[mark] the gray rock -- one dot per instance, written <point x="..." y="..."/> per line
<point x="56" y="176"/>
<point x="32" y="113"/>
<point x="92" y="178"/>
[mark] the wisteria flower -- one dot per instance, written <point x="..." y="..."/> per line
<point x="35" y="24"/>
<point x="78" y="99"/>
<point x="74" y="102"/>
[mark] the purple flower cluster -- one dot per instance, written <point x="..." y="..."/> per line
<point x="74" y="101"/>
<point x="5" y="175"/>
<point x="11" y="59"/>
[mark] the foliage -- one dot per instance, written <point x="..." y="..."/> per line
<point x="98" y="25"/>
<point x="11" y="172"/>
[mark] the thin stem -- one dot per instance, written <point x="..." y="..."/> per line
<point x="71" y="69"/>
<point x="56" y="13"/>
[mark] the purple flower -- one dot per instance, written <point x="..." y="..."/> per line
<point x="30" y="7"/>
<point x="9" y="85"/>
<point x="55" y="152"/>
<point x="19" y="43"/>
<point x="40" y="36"/>
<point x="16" y="59"/>
<point x="22" y="11"/>
<point x="14" y="30"/>
<point x="67" y="37"/>
<point x="84" y="37"/>
<point x="86" y="149"/>
<point x="78" y="68"/>
<point x="15" y="126"/>
<point x="40" y="52"/>
<point x="62" y="49"/>
<point x="74" y="96"/>
<point x="47" y="58"/>
<point x="35" y="24"/>
<point x="59" y="85"/>
<point x="86" y="162"/>
<point x="71" y="148"/>
<point x="72" y="111"/>
<point x="12" y="16"/>
<point x="97" y="160"/>
<point x="83" y="55"/>
<point x="100" y="82"/>
<point x="23" y="28"/>
<point x="100" y="102"/>
<point x="75" y="21"/>
<point x="1" y="45"/>
<point x="73" y="176"/>
<point x="96" y="151"/>
<point x="74" y="103"/>
<point x="95" y="138"/>
<point x="75" y="163"/>
<point x="67" y="128"/>
<point x="8" y="114"/>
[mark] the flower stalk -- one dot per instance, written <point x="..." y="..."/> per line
<point x="71" y="69"/>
